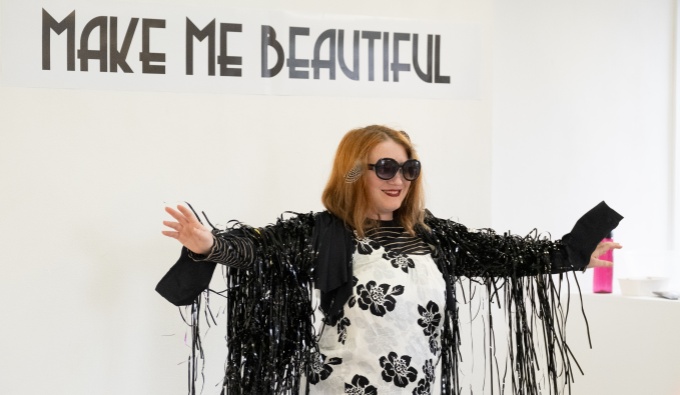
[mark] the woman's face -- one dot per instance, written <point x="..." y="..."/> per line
<point x="386" y="196"/>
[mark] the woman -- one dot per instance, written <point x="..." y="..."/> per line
<point x="386" y="270"/>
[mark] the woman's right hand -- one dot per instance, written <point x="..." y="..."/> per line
<point x="188" y="230"/>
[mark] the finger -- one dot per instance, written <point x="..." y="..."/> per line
<point x="174" y="225"/>
<point x="609" y="244"/>
<point x="188" y="215"/>
<point x="595" y="262"/>
<point x="176" y="214"/>
<point x="169" y="233"/>
<point x="606" y="246"/>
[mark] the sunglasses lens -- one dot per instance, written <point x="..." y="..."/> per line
<point x="386" y="168"/>
<point x="411" y="169"/>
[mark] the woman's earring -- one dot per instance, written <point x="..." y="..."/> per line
<point x="353" y="175"/>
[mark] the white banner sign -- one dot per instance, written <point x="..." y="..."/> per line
<point x="133" y="46"/>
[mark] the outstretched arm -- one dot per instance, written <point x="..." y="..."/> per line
<point x="485" y="253"/>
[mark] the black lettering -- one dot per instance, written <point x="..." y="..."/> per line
<point x="353" y="73"/>
<point x="423" y="75"/>
<point x="386" y="56"/>
<point x="225" y="60"/>
<point x="68" y="24"/>
<point x="371" y="37"/>
<point x="438" y="79"/>
<point x="396" y="66"/>
<point x="146" y="56"/>
<point x="317" y="63"/>
<point x="194" y="32"/>
<point x="118" y="57"/>
<point x="269" y="40"/>
<point x="292" y="62"/>
<point x="84" y="53"/>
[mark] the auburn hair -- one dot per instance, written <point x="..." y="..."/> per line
<point x="346" y="195"/>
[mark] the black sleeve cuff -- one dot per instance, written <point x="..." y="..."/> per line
<point x="185" y="280"/>
<point x="588" y="232"/>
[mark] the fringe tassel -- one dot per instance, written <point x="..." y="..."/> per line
<point x="271" y="336"/>
<point x="516" y="274"/>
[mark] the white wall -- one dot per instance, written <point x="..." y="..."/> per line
<point x="583" y="111"/>
<point x="85" y="175"/>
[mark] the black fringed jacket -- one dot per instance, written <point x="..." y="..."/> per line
<point x="270" y="331"/>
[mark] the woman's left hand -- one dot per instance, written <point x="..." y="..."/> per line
<point x="602" y="248"/>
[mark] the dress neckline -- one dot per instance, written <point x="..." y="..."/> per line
<point x="388" y="224"/>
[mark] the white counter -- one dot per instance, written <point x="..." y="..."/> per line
<point x="636" y="345"/>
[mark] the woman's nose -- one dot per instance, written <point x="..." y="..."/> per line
<point x="398" y="178"/>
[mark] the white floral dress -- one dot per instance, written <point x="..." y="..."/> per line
<point x="389" y="338"/>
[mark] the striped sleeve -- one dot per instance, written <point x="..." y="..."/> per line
<point x="231" y="251"/>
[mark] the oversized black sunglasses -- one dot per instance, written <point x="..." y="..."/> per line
<point x="387" y="168"/>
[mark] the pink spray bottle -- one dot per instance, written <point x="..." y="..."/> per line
<point x="603" y="277"/>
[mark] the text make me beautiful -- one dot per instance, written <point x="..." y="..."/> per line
<point x="359" y="55"/>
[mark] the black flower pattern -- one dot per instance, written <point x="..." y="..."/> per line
<point x="423" y="388"/>
<point x="352" y="299"/>
<point x="428" y="370"/>
<point x="434" y="344"/>
<point x="430" y="317"/>
<point x="360" y="386"/>
<point x="365" y="246"/>
<point x="342" y="329"/>
<point x="396" y="369"/>
<point x="322" y="369"/>
<point x="424" y="385"/>
<point x="399" y="261"/>
<point x="378" y="298"/>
